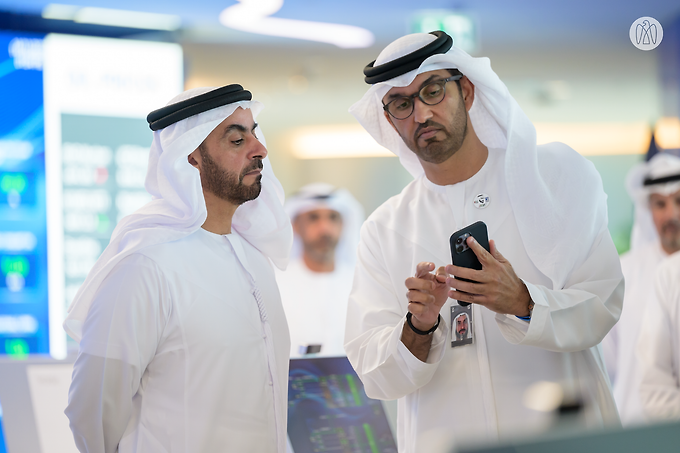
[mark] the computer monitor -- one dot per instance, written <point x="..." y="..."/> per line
<point x="328" y="410"/>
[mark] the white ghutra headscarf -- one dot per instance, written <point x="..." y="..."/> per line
<point x="661" y="165"/>
<point x="178" y="207"/>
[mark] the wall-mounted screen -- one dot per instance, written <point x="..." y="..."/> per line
<point x="74" y="146"/>
<point x="24" y="322"/>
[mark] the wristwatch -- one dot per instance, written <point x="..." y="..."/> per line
<point x="531" y="312"/>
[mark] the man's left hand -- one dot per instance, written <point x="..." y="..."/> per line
<point x="495" y="287"/>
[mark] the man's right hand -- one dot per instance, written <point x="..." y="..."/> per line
<point x="427" y="293"/>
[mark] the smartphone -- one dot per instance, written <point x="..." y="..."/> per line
<point x="461" y="254"/>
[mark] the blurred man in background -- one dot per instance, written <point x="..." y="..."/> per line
<point x="654" y="187"/>
<point x="658" y="349"/>
<point x="316" y="285"/>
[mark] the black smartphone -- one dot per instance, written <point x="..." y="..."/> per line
<point x="461" y="254"/>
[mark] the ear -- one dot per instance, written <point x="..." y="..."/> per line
<point x="389" y="120"/>
<point x="296" y="225"/>
<point x="194" y="159"/>
<point x="468" y="90"/>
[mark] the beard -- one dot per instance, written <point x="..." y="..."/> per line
<point x="670" y="235"/>
<point x="228" y="185"/>
<point x="461" y="335"/>
<point x="437" y="151"/>
<point x="323" y="248"/>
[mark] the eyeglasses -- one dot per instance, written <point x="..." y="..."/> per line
<point x="431" y="94"/>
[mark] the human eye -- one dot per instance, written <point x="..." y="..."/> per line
<point x="658" y="203"/>
<point x="432" y="90"/>
<point x="401" y="104"/>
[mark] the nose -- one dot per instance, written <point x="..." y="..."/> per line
<point x="258" y="150"/>
<point x="675" y="210"/>
<point x="325" y="225"/>
<point x="421" y="111"/>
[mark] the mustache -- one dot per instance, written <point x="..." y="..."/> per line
<point x="425" y="125"/>
<point x="673" y="223"/>
<point x="324" y="240"/>
<point x="256" y="165"/>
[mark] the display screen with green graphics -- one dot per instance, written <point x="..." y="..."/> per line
<point x="74" y="147"/>
<point x="24" y="324"/>
<point x="328" y="410"/>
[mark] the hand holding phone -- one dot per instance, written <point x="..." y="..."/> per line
<point x="501" y="290"/>
<point x="461" y="254"/>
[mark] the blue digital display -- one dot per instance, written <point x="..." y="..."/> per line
<point x="3" y="447"/>
<point x="23" y="218"/>
<point x="328" y="410"/>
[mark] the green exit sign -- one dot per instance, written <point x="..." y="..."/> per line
<point x="460" y="27"/>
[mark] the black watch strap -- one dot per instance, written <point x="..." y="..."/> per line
<point x="409" y="315"/>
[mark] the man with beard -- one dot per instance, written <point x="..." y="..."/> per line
<point x="654" y="187"/>
<point x="550" y="287"/>
<point x="316" y="285"/>
<point x="461" y="327"/>
<point x="183" y="339"/>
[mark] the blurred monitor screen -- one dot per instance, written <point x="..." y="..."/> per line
<point x="3" y="447"/>
<point x="74" y="146"/>
<point x="24" y="322"/>
<point x="328" y="410"/>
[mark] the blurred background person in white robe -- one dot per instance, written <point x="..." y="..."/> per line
<point x="658" y="348"/>
<point x="654" y="187"/>
<point x="316" y="285"/>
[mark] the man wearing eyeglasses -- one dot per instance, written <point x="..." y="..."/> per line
<point x="550" y="287"/>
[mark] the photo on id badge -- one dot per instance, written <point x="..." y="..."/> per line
<point x="461" y="325"/>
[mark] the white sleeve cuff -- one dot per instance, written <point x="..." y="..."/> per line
<point x="516" y="330"/>
<point x="437" y="349"/>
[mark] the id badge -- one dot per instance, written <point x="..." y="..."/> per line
<point x="461" y="325"/>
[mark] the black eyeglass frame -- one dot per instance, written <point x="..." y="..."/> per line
<point x="417" y="95"/>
